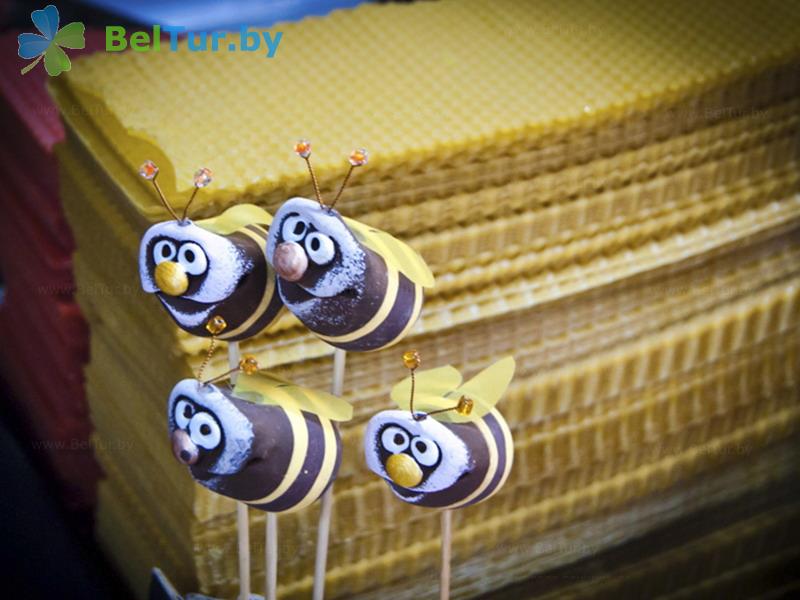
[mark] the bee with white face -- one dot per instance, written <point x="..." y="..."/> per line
<point x="273" y="458"/>
<point x="198" y="274"/>
<point x="212" y="276"/>
<point x="339" y="287"/>
<point x="443" y="465"/>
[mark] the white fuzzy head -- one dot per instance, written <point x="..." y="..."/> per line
<point x="336" y="261"/>
<point x="439" y="452"/>
<point x="210" y="258"/>
<point x="213" y="424"/>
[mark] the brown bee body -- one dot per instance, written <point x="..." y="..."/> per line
<point x="441" y="465"/>
<point x="198" y="274"/>
<point x="346" y="293"/>
<point x="273" y="458"/>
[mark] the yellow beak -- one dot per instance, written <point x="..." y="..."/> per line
<point x="404" y="470"/>
<point x="171" y="278"/>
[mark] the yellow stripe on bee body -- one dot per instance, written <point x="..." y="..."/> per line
<point x="389" y="298"/>
<point x="299" y="448"/>
<point x="493" y="460"/>
<point x="412" y="321"/>
<point x="509" y="443"/>
<point x="269" y="289"/>
<point x="326" y="469"/>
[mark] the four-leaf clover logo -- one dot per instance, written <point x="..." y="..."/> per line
<point x="48" y="45"/>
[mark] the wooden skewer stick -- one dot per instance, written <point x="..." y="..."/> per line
<point x="243" y="531"/>
<point x="447" y="538"/>
<point x="271" y="556"/>
<point x="242" y="523"/>
<point x="326" y="506"/>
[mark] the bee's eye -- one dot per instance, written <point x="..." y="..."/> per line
<point x="320" y="248"/>
<point x="204" y="431"/>
<point x="294" y="229"/>
<point x="183" y="413"/>
<point x="164" y="250"/>
<point x="192" y="258"/>
<point x="425" y="451"/>
<point x="394" y="439"/>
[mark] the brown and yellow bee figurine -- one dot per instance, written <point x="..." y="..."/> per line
<point x="267" y="442"/>
<point x="212" y="276"/>
<point x="354" y="286"/>
<point x="447" y="446"/>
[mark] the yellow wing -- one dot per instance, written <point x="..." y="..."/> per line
<point x="431" y="385"/>
<point x="485" y="389"/>
<point x="396" y="253"/>
<point x="235" y="218"/>
<point x="265" y="388"/>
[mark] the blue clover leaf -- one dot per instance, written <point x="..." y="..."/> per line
<point x="46" y="21"/>
<point x="48" y="45"/>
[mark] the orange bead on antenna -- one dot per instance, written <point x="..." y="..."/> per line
<point x="249" y="364"/>
<point x="357" y="158"/>
<point x="411" y="359"/>
<point x="202" y="177"/>
<point x="148" y="170"/>
<point x="303" y="149"/>
<point x="216" y="325"/>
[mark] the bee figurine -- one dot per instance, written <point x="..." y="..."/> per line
<point x="212" y="276"/>
<point x="447" y="446"/>
<point x="354" y="286"/>
<point x="268" y="443"/>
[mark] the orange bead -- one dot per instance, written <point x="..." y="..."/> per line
<point x="465" y="406"/>
<point x="303" y="148"/>
<point x="411" y="359"/>
<point x="248" y="364"/>
<point x="148" y="170"/>
<point x="216" y="325"/>
<point x="202" y="177"/>
<point x="359" y="157"/>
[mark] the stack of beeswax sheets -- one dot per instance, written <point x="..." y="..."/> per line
<point x="606" y="190"/>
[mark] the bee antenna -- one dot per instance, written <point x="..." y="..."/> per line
<point x="412" y="361"/>
<point x="149" y="171"/>
<point x="202" y="178"/>
<point x="357" y="158"/>
<point x="215" y="326"/>
<point x="247" y="365"/>
<point x="464" y="407"/>
<point x="303" y="149"/>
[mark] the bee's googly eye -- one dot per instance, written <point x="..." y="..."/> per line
<point x="163" y="251"/>
<point x="294" y="229"/>
<point x="183" y="413"/>
<point x="425" y="451"/>
<point x="319" y="248"/>
<point x="205" y="431"/>
<point x="394" y="439"/>
<point x="192" y="258"/>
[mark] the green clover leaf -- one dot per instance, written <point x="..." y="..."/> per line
<point x="55" y="59"/>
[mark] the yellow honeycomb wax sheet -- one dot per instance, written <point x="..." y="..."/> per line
<point x="420" y="83"/>
<point x="540" y="338"/>
<point x="663" y="421"/>
<point x="480" y="546"/>
<point x="632" y="189"/>
<point x="697" y="224"/>
<point x="733" y="556"/>
<point x="635" y="396"/>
